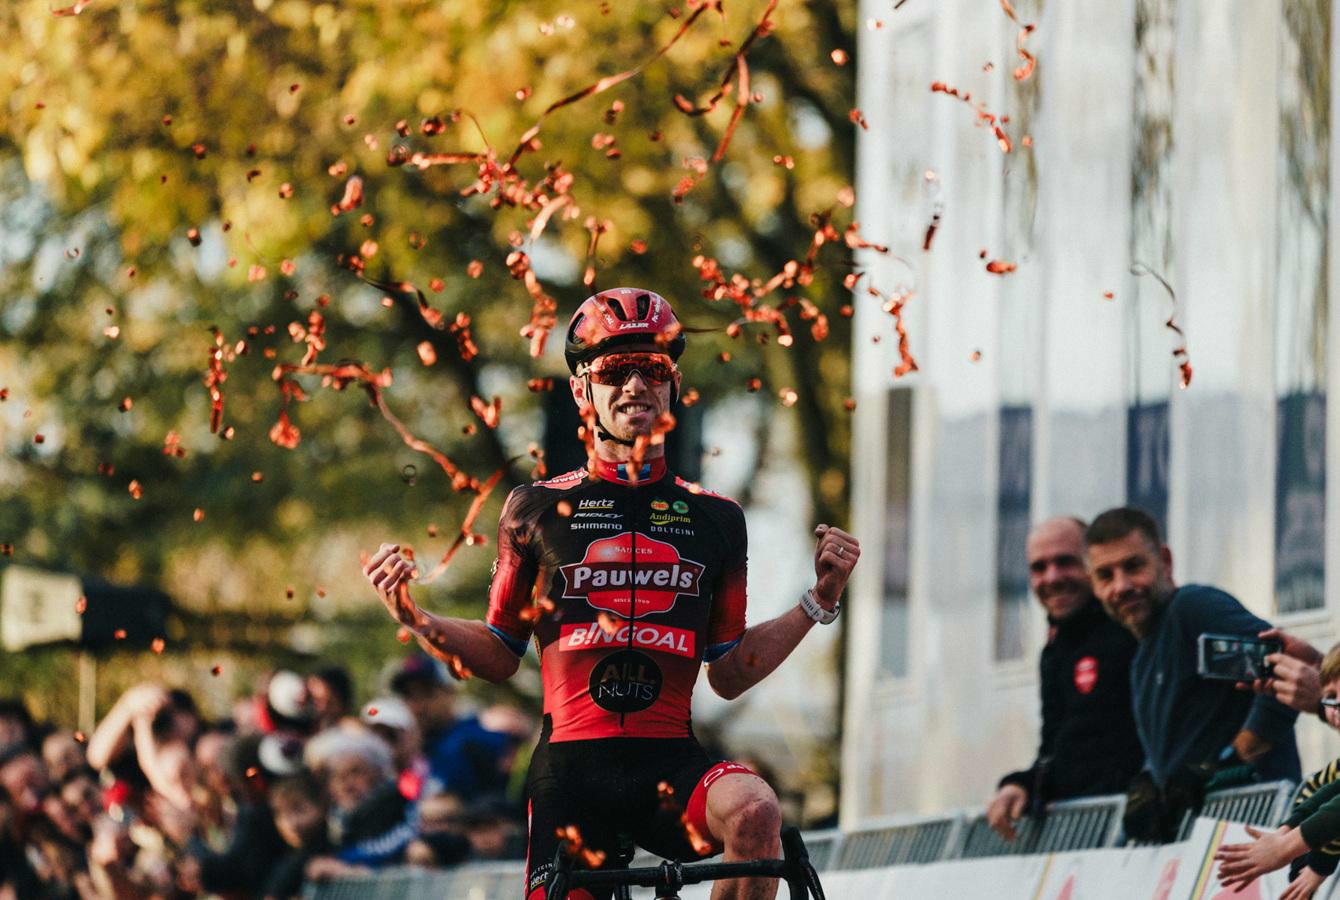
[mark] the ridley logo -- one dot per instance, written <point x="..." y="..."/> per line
<point x="607" y="575"/>
<point x="678" y="641"/>
<point x="1086" y="675"/>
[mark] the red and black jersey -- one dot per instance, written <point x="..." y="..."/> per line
<point x="647" y="582"/>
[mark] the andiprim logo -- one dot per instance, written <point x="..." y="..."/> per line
<point x="606" y="576"/>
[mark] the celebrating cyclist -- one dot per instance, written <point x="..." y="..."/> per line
<point x="628" y="579"/>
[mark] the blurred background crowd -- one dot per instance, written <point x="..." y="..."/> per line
<point x="299" y="782"/>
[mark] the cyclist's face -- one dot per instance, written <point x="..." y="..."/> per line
<point x="631" y="399"/>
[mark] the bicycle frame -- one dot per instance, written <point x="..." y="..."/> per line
<point x="794" y="868"/>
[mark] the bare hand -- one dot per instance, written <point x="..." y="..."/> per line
<point x="1296" y="647"/>
<point x="1241" y="864"/>
<point x="835" y="555"/>
<point x="1292" y="682"/>
<point x="1007" y="808"/>
<point x="1304" y="886"/>
<point x="143" y="701"/>
<point x="390" y="574"/>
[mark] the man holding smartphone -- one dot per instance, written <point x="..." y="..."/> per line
<point x="1197" y="733"/>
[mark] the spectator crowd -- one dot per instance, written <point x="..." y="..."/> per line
<point x="298" y="784"/>
<point x="1131" y="704"/>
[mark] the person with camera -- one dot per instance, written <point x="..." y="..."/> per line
<point x="1198" y="733"/>
<point x="1089" y="745"/>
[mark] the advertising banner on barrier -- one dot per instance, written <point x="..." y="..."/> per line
<point x="1181" y="871"/>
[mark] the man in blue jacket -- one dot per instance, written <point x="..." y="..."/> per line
<point x="1197" y="734"/>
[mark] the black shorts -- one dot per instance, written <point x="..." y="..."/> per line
<point x="607" y="788"/>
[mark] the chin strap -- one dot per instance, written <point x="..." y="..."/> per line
<point x="602" y="432"/>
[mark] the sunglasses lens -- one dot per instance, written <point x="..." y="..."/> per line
<point x="617" y="368"/>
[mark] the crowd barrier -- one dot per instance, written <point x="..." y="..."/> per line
<point x="1069" y="827"/>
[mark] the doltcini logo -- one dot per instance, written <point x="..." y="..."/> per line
<point x="607" y="575"/>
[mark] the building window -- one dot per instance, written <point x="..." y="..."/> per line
<point x="1303" y="165"/>
<point x="1147" y="460"/>
<point x="894" y="623"/>
<point x="1013" y="508"/>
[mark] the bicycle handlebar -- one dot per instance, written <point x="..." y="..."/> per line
<point x="795" y="868"/>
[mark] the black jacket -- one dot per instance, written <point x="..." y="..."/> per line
<point x="1089" y="742"/>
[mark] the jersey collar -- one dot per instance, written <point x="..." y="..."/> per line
<point x="652" y="470"/>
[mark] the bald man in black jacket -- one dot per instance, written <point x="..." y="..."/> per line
<point x="1089" y="743"/>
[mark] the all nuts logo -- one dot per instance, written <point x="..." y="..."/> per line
<point x="606" y="576"/>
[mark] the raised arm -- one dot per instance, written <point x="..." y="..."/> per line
<point x="466" y="643"/>
<point x="112" y="736"/>
<point x="763" y="647"/>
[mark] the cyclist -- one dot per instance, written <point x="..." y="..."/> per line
<point x="628" y="581"/>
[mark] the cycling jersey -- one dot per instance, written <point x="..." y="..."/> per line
<point x="646" y="581"/>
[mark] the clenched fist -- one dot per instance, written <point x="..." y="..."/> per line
<point x="390" y="574"/>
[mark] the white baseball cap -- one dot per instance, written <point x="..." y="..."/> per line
<point x="389" y="711"/>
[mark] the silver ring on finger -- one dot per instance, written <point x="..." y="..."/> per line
<point x="842" y="551"/>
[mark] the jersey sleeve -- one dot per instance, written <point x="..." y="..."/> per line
<point x="726" y="624"/>
<point x="514" y="574"/>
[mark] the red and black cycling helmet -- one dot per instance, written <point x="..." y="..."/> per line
<point x="620" y="317"/>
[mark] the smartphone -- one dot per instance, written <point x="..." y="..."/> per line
<point x="1233" y="657"/>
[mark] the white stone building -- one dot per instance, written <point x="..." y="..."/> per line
<point x="1192" y="137"/>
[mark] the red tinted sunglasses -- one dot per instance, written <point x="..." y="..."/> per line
<point x="614" y="369"/>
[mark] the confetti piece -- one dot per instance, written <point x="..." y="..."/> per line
<point x="252" y="771"/>
<point x="216" y="671"/>
<point x="1108" y="295"/>
<point x="894" y="306"/>
<point x="849" y="404"/>
<point x="198" y="515"/>
<point x="125" y="404"/>
<point x="1001" y="267"/>
<point x="285" y="191"/>
<point x="76" y="9"/>
<point x="81" y="606"/>
<point x="983" y="116"/>
<point x="257" y="477"/>
<point x="788" y="397"/>
<point x="112" y="331"/>
<point x="858" y="118"/>
<point x="427" y="355"/>
<point x="839" y="57"/>
<point x="975" y="356"/>
<point x="119" y="634"/>
<point x="289" y="592"/>
<point x="135" y="490"/>
<point x="1179" y="353"/>
<point x="353" y="193"/>
<point x="157" y="645"/>
<point x="199" y="150"/>
<point x="172" y="445"/>
<point x="1025" y="69"/>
